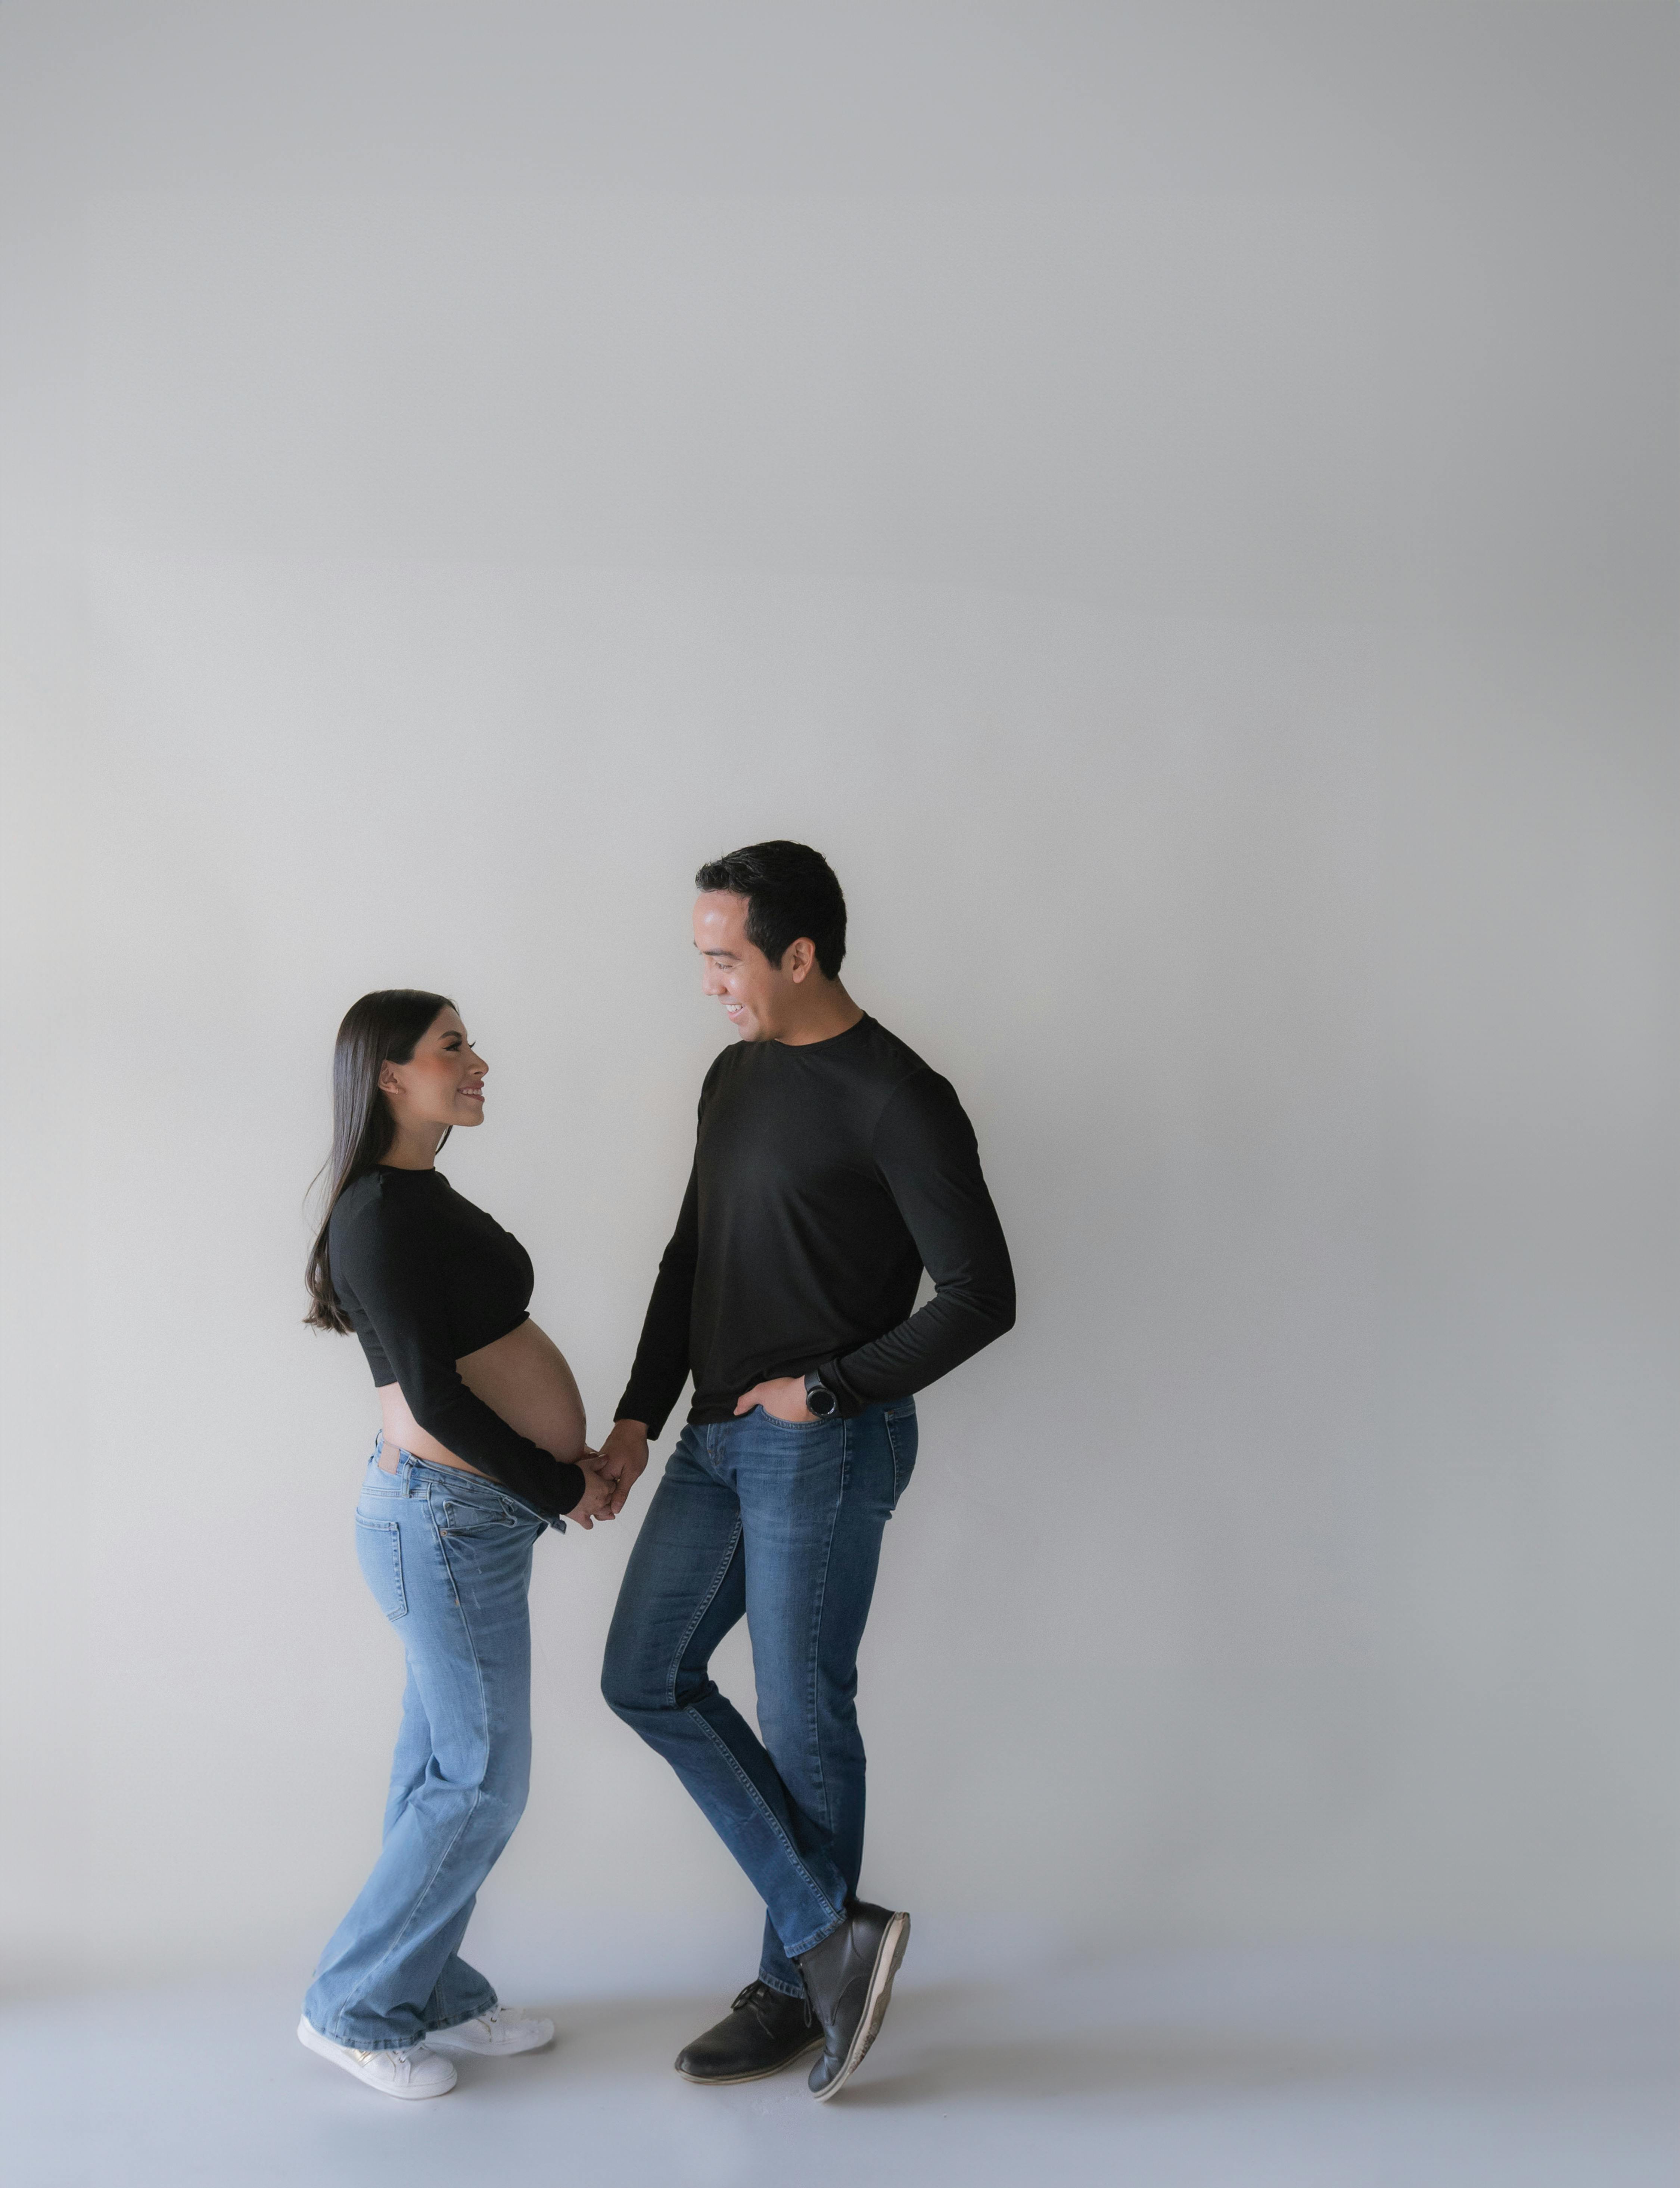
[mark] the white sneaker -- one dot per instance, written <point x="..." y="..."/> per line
<point x="417" y="2070"/>
<point x="495" y="2034"/>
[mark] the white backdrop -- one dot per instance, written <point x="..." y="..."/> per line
<point x="1178" y="504"/>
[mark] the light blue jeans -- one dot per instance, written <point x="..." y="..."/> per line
<point x="448" y="1556"/>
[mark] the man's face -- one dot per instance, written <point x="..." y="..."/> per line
<point x="733" y="969"/>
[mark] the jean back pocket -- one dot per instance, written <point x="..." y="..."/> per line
<point x="379" y="1546"/>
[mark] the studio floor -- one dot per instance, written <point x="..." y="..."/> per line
<point x="1007" y="2062"/>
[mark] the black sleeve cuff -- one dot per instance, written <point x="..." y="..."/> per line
<point x="637" y="1406"/>
<point x="570" y="1483"/>
<point x="851" y="1405"/>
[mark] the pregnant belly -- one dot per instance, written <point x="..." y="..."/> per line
<point x="523" y="1377"/>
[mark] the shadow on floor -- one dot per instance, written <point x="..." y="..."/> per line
<point x="1011" y="2071"/>
<point x="920" y="2058"/>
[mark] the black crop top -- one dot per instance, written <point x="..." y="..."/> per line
<point x="426" y="1278"/>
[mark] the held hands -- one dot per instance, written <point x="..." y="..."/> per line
<point x="620" y="1461"/>
<point x="785" y="1398"/>
<point x="596" y="1501"/>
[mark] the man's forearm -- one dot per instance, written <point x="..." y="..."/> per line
<point x="950" y="1328"/>
<point x="661" y="1366"/>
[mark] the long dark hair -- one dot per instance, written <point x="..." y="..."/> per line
<point x="382" y="1027"/>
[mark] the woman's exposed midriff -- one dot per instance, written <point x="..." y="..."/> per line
<point x="522" y="1376"/>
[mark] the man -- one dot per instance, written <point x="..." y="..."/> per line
<point x="831" y="1167"/>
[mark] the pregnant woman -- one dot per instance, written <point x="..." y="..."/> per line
<point x="479" y="1451"/>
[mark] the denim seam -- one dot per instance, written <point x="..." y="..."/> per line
<point x="350" y="2042"/>
<point x="817" y="1936"/>
<point x="462" y="2019"/>
<point x="814" y="1647"/>
<point x="710" y="1597"/>
<point x="401" y="1938"/>
<point x="442" y="1549"/>
<point x="354" y="2043"/>
<point x="770" y="1817"/>
<point x="415" y="1784"/>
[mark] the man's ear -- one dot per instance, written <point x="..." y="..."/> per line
<point x="801" y="956"/>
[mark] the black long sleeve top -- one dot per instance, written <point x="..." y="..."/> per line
<point x="425" y="1279"/>
<point x="824" y="1179"/>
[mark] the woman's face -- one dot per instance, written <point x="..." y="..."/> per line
<point x="442" y="1082"/>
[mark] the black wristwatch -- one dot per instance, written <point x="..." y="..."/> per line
<point x="819" y="1398"/>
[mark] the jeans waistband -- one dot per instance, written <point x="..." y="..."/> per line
<point x="418" y="1477"/>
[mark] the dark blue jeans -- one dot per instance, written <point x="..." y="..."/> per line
<point x="781" y="1520"/>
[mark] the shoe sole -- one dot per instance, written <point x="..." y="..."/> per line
<point x="324" y="2047"/>
<point x="757" y="2074"/>
<point x="888" y="1962"/>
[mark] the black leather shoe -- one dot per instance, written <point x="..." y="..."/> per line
<point x="762" y="2032"/>
<point x="849" y="1979"/>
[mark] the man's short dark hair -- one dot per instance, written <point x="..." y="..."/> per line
<point x="790" y="890"/>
